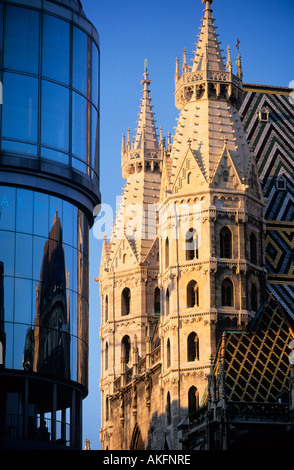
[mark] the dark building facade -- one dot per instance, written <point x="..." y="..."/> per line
<point x="49" y="186"/>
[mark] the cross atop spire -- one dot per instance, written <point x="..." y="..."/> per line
<point x="146" y="132"/>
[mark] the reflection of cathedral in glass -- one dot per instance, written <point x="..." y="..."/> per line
<point x="47" y="347"/>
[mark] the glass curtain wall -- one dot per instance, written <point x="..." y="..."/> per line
<point x="51" y="89"/>
<point x="44" y="280"/>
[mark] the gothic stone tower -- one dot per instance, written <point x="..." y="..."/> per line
<point x="211" y="224"/>
<point x="129" y="271"/>
<point x="210" y="275"/>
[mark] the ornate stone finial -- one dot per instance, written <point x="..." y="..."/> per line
<point x="177" y="74"/>
<point x="207" y="1"/>
<point x="123" y="144"/>
<point x="229" y="61"/>
<point x="128" y="139"/>
<point x="184" y="67"/>
<point x="240" y="70"/>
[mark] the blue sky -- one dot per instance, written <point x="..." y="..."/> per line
<point x="158" y="30"/>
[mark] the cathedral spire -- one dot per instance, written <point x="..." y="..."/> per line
<point x="146" y="132"/>
<point x="208" y="54"/>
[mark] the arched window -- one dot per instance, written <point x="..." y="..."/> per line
<point x="137" y="441"/>
<point x="168" y="361"/>
<point x="157" y="301"/>
<point x="168" y="409"/>
<point x="107" y="409"/>
<point x="191" y="244"/>
<point x="126" y="347"/>
<point x="192" y="294"/>
<point x="253" y="250"/>
<point x="125" y="301"/>
<point x="227" y="293"/>
<point x="167" y="302"/>
<point x="253" y="298"/>
<point x="225" y="243"/>
<point x="192" y="347"/>
<point x="166" y="253"/>
<point x="106" y="308"/>
<point x="193" y="400"/>
<point x="106" y="356"/>
<point x="189" y="177"/>
<point x="124" y="258"/>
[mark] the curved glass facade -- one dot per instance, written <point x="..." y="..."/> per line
<point x="44" y="278"/>
<point x="50" y="76"/>
<point x="49" y="186"/>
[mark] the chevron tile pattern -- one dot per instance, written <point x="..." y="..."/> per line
<point x="272" y="143"/>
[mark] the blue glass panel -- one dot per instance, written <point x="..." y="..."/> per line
<point x="23" y="302"/>
<point x="55" y="156"/>
<point x="95" y="74"/>
<point x="74" y="358"/>
<point x="79" y="126"/>
<point x="80" y="60"/>
<point x="20" y="334"/>
<point x="1" y="29"/>
<point x="68" y="223"/>
<point x="21" y="39"/>
<point x="56" y="47"/>
<point x="7" y="248"/>
<point x="75" y="271"/>
<point x="7" y="208"/>
<point x="55" y="218"/>
<point x="41" y="214"/>
<point x="9" y="345"/>
<point x="20" y="107"/>
<point x="68" y="255"/>
<point x="55" y="116"/>
<point x="94" y="139"/>
<point x="24" y="211"/>
<point x="38" y="254"/>
<point x="79" y="165"/>
<point x="23" y="255"/>
<point x="19" y="147"/>
<point x="8" y="298"/>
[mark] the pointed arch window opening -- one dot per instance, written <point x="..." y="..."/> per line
<point x="253" y="298"/>
<point x="166" y="253"/>
<point x="107" y="409"/>
<point x="253" y="249"/>
<point x="126" y="348"/>
<point x="125" y="301"/>
<point x="157" y="301"/>
<point x="106" y="355"/>
<point x="106" y="308"/>
<point x="168" y="409"/>
<point x="168" y="354"/>
<point x="226" y="243"/>
<point x="192" y="294"/>
<point x="191" y="245"/>
<point x="192" y="347"/>
<point x="167" y="302"/>
<point x="227" y="293"/>
<point x="137" y="441"/>
<point x="193" y="400"/>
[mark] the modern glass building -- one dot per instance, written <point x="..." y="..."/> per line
<point x="49" y="186"/>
